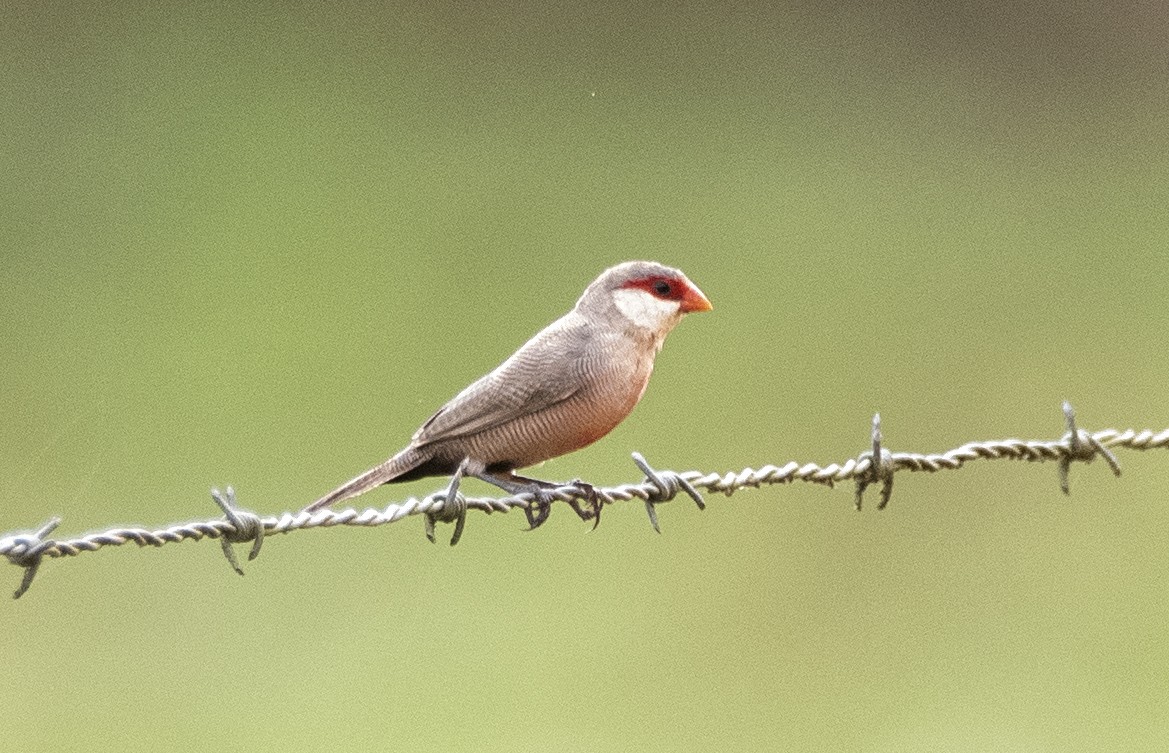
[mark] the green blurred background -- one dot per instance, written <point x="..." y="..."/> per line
<point x="259" y="244"/>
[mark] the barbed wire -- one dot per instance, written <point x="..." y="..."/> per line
<point x="875" y="466"/>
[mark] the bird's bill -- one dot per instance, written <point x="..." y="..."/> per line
<point x="693" y="301"/>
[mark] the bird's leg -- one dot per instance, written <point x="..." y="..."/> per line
<point x="590" y="510"/>
<point x="540" y="507"/>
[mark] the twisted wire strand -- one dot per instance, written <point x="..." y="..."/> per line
<point x="238" y="526"/>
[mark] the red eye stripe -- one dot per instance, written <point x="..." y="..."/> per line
<point x="660" y="286"/>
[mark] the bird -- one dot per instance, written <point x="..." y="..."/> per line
<point x="565" y="388"/>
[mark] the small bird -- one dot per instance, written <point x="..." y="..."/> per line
<point x="562" y="390"/>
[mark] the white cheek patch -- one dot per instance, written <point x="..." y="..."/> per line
<point x="644" y="310"/>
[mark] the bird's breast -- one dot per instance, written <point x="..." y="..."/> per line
<point x="606" y="398"/>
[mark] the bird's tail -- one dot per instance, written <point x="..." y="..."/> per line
<point x="399" y="465"/>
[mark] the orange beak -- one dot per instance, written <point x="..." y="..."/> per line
<point x="694" y="301"/>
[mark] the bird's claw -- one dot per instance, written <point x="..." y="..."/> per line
<point x="592" y="503"/>
<point x="588" y="506"/>
<point x="538" y="509"/>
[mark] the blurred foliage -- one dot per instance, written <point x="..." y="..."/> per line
<point x="258" y="244"/>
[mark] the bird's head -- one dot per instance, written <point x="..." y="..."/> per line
<point x="644" y="295"/>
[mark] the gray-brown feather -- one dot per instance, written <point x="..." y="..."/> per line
<point x="542" y="373"/>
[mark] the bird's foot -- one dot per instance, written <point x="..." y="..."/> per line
<point x="589" y="505"/>
<point x="538" y="509"/>
<point x="587" y="501"/>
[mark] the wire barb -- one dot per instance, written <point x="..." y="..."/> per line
<point x="879" y="468"/>
<point x="1083" y="447"/>
<point x="453" y="508"/>
<point x="666" y="485"/>
<point x="246" y="526"/>
<point x="27" y="551"/>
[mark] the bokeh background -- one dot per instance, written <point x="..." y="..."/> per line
<point x="257" y="244"/>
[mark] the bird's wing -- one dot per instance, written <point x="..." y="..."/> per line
<point x="544" y="372"/>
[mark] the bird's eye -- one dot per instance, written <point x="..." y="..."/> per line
<point x="661" y="287"/>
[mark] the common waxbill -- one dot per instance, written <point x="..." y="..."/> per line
<point x="564" y="389"/>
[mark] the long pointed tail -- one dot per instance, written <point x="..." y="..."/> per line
<point x="402" y="463"/>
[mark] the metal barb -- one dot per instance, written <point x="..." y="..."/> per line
<point x="247" y="525"/>
<point x="880" y="469"/>
<point x="454" y="507"/>
<point x="33" y="554"/>
<point x="1109" y="458"/>
<point x="667" y="484"/>
<point x="1081" y="446"/>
